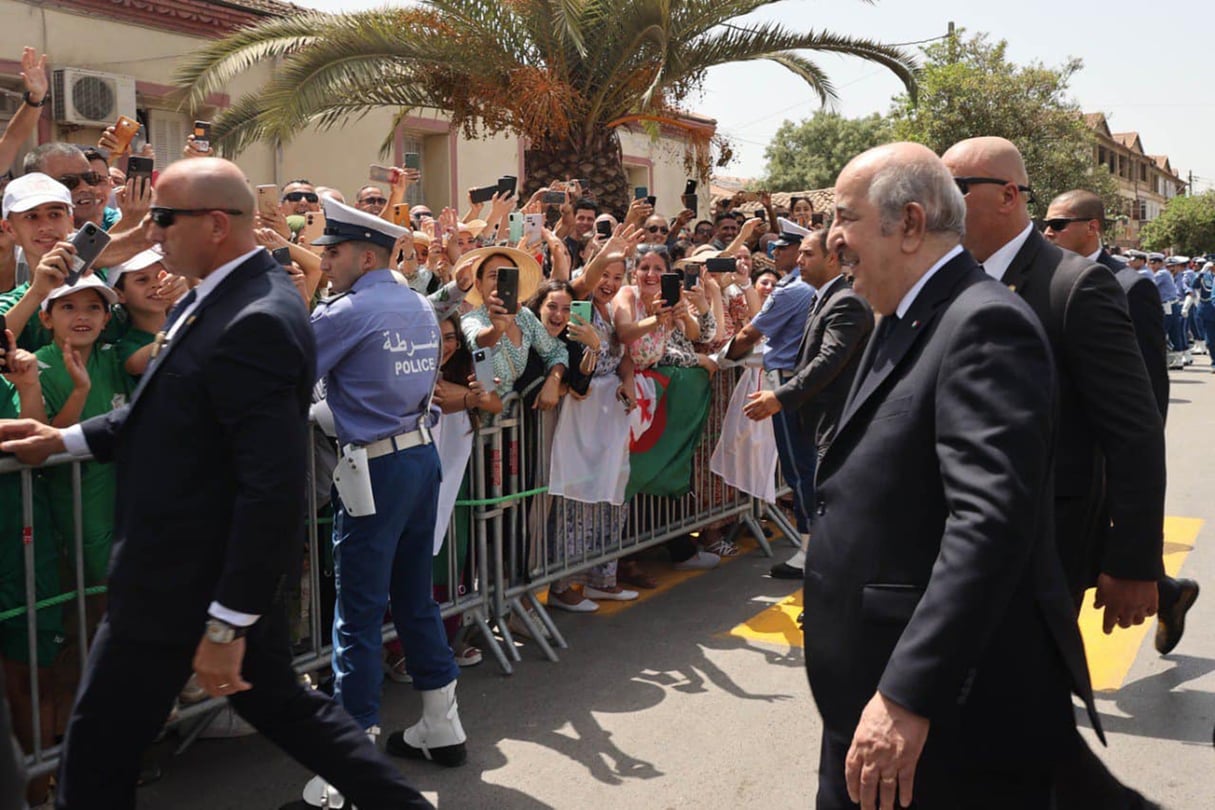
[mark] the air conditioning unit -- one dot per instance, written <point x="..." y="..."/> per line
<point x="90" y="98"/>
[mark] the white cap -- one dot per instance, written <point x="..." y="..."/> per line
<point x="344" y="224"/>
<point x="89" y="282"/>
<point x="789" y="226"/>
<point x="34" y="189"/>
<point x="140" y="261"/>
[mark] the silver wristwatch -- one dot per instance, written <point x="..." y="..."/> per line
<point x="220" y="632"/>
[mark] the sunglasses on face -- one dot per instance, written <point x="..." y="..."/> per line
<point x="88" y="178"/>
<point x="964" y="184"/>
<point x="380" y="201"/>
<point x="651" y="248"/>
<point x="1059" y="223"/>
<point x="658" y="229"/>
<point x="165" y="217"/>
<point x="296" y="196"/>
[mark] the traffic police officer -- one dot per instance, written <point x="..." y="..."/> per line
<point x="378" y="346"/>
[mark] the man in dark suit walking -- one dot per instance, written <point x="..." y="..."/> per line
<point x="210" y="458"/>
<point x="1110" y="464"/>
<point x="836" y="332"/>
<point x="1075" y="221"/>
<point x="940" y="644"/>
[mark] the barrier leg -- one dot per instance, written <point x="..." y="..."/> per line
<point x="191" y="736"/>
<point x="547" y="620"/>
<point x="534" y="630"/>
<point x="491" y="643"/>
<point x="747" y="520"/>
<point x="775" y="515"/>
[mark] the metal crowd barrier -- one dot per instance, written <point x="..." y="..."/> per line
<point x="516" y="547"/>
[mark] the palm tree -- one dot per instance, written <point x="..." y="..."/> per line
<point x="563" y="74"/>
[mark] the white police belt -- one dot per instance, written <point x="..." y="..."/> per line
<point x="402" y="441"/>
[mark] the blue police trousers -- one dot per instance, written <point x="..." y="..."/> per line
<point x="798" y="454"/>
<point x="386" y="558"/>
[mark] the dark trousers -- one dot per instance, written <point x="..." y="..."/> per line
<point x="128" y="690"/>
<point x="798" y="455"/>
<point x="940" y="784"/>
<point x="1174" y="328"/>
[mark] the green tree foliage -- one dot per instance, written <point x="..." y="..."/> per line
<point x="1186" y="226"/>
<point x="810" y="154"/>
<point x="968" y="88"/>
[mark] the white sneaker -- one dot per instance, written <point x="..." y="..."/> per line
<point x="700" y="561"/>
<point x="319" y="793"/>
<point x="1187" y="358"/>
<point x="622" y="595"/>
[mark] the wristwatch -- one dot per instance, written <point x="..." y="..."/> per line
<point x="220" y="632"/>
<point x="26" y="98"/>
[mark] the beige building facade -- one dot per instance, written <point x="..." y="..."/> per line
<point x="1145" y="182"/>
<point x="116" y="57"/>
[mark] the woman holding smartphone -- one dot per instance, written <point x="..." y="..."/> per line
<point x="590" y="462"/>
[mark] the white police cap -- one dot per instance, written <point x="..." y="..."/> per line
<point x="346" y="224"/>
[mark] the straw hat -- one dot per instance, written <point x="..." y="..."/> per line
<point x="475" y="226"/>
<point x="530" y="274"/>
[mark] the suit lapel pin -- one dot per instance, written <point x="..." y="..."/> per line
<point x="158" y="343"/>
<point x="915" y="324"/>
<point x="1012" y="287"/>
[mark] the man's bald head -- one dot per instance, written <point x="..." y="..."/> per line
<point x="212" y="223"/>
<point x="997" y="189"/>
<point x="210" y="183"/>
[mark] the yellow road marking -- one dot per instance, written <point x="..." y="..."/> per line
<point x="1109" y="657"/>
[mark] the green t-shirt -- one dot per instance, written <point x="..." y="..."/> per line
<point x="110" y="386"/>
<point x="35" y="335"/>
<point x="131" y="342"/>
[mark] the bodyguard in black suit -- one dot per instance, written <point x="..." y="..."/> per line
<point x="940" y="643"/>
<point x="210" y="458"/>
<point x="1110" y="464"/>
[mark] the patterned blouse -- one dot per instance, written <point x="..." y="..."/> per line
<point x="511" y="359"/>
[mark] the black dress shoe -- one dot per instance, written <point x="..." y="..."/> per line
<point x="1170" y="624"/>
<point x="786" y="571"/>
<point x="449" y="756"/>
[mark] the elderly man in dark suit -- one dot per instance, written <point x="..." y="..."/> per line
<point x="940" y="644"/>
<point x="210" y="457"/>
<point x="1075" y="221"/>
<point x="1110" y="464"/>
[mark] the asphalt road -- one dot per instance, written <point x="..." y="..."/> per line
<point x="696" y="697"/>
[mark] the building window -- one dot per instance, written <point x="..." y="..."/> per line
<point x="1101" y="155"/>
<point x="412" y="142"/>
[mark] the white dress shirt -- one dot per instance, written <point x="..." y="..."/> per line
<point x="909" y="298"/>
<point x="998" y="262"/>
<point x="76" y="445"/>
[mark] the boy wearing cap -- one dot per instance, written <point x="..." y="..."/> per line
<point x="136" y="282"/>
<point x="81" y="379"/>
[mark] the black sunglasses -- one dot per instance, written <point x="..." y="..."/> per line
<point x="658" y="229"/>
<point x="1059" y="223"/>
<point x="165" y="217"/>
<point x="296" y="196"/>
<point x="381" y="201"/>
<point x="73" y="180"/>
<point x="651" y="248"/>
<point x="964" y="184"/>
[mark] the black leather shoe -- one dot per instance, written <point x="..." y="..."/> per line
<point x="786" y="571"/>
<point x="449" y="756"/>
<point x="1170" y="624"/>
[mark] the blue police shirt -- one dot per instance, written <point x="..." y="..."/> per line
<point x="378" y="349"/>
<point x="1166" y="285"/>
<point x="782" y="320"/>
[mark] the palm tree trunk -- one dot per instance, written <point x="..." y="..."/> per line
<point x="600" y="162"/>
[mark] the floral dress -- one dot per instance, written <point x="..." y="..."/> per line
<point x="511" y="359"/>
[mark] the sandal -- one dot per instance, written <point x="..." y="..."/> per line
<point x="630" y="573"/>
<point x="467" y="655"/>
<point x="724" y="548"/>
<point x="394" y="667"/>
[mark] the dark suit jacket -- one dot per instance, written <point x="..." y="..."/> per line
<point x="210" y="457"/>
<point x="836" y="334"/>
<point x="1110" y="468"/>
<point x="1147" y="316"/>
<point x="933" y="575"/>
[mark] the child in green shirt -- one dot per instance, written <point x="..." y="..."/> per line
<point x="138" y="282"/>
<point x="81" y="379"/>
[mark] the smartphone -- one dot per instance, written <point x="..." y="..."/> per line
<point x="413" y="160"/>
<point x="554" y="198"/>
<point x="267" y="200"/>
<point x="671" y="283"/>
<point x="508" y="288"/>
<point x="379" y="174"/>
<point x="140" y="167"/>
<point x="604" y="228"/>
<point x="722" y="264"/>
<point x="202" y="135"/>
<point x="483" y="368"/>
<point x="507" y="185"/>
<point x="817" y="218"/>
<point x="652" y="200"/>
<point x="483" y="194"/>
<point x="689" y="202"/>
<point x="124" y="132"/>
<point x="516" y="228"/>
<point x="690" y="276"/>
<point x="532" y="225"/>
<point x="314" y="226"/>
<point x="282" y="256"/>
<point x="640" y="193"/>
<point x="400" y="215"/>
<point x="4" y="344"/>
<point x="89" y="242"/>
<point x="690" y="187"/>
<point x="580" y="310"/>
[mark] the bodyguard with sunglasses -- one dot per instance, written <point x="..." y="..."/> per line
<point x="1109" y="461"/>
<point x="210" y="455"/>
<point x="299" y="197"/>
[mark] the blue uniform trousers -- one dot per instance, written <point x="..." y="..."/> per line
<point x="798" y="455"/>
<point x="383" y="558"/>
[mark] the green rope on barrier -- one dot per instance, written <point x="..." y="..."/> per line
<point x="512" y="497"/>
<point x="51" y="602"/>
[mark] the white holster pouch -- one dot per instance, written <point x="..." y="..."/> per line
<point x="352" y="478"/>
